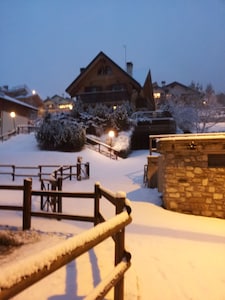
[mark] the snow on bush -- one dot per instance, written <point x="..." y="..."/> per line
<point x="17" y="238"/>
<point x="120" y="119"/>
<point x="60" y="133"/>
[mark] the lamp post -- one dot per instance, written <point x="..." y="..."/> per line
<point x="111" y="135"/>
<point x="13" y="116"/>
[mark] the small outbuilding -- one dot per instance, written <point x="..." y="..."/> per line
<point x="191" y="173"/>
<point x="14" y="112"/>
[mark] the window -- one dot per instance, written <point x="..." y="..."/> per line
<point x="92" y="89"/>
<point x="157" y="95"/>
<point x="216" y="160"/>
<point x="105" y="70"/>
<point x="117" y="87"/>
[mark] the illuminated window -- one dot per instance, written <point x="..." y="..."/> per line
<point x="157" y="95"/>
<point x="66" y="106"/>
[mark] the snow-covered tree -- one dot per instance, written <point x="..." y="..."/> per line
<point x="60" y="133"/>
<point x="120" y="119"/>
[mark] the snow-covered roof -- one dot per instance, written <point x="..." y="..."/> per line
<point x="196" y="136"/>
<point x="13" y="100"/>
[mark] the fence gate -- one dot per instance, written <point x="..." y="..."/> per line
<point x="51" y="202"/>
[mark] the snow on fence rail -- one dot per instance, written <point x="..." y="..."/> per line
<point x="6" y="136"/>
<point x="19" y="129"/>
<point x="102" y="147"/>
<point x="16" y="279"/>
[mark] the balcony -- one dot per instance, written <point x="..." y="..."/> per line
<point x="104" y="96"/>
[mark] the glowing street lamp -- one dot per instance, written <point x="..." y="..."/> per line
<point x="111" y="135"/>
<point x="13" y="116"/>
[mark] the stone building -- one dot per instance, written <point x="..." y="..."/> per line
<point x="191" y="173"/>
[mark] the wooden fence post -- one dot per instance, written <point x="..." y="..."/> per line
<point x="27" y="203"/>
<point x="87" y="167"/>
<point x="119" y="246"/>
<point x="13" y="172"/>
<point x="71" y="172"/>
<point x="96" y="204"/>
<point x="59" y="184"/>
<point x="78" y="171"/>
<point x="40" y="170"/>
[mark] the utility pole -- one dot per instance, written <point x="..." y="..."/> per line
<point x="125" y="55"/>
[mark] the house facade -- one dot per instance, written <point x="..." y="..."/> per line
<point x="14" y="112"/>
<point x="103" y="81"/>
<point x="58" y="104"/>
<point x="176" y="92"/>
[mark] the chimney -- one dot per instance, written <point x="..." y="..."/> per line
<point x="130" y="68"/>
<point x="82" y="70"/>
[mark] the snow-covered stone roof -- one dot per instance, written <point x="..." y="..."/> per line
<point x="199" y="136"/>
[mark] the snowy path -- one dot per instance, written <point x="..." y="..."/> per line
<point x="174" y="256"/>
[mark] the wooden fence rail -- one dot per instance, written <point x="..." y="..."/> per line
<point x="102" y="147"/>
<point x="7" y="135"/>
<point x="114" y="227"/>
<point x="79" y="170"/>
<point x="19" y="129"/>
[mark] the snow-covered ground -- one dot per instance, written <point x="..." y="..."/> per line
<point x="174" y="256"/>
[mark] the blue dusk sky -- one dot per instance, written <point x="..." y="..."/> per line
<point x="45" y="42"/>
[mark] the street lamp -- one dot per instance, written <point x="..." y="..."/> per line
<point x="13" y="116"/>
<point x="111" y="135"/>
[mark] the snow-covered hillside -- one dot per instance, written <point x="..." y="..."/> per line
<point x="174" y="256"/>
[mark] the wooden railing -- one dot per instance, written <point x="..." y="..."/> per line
<point x="7" y="135"/>
<point x="102" y="147"/>
<point x="26" y="128"/>
<point x="114" y="227"/>
<point x="17" y="130"/>
<point x="79" y="170"/>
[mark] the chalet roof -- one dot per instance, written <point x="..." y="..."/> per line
<point x="148" y="91"/>
<point x="23" y="93"/>
<point x="176" y="83"/>
<point x="13" y="100"/>
<point x="70" y="89"/>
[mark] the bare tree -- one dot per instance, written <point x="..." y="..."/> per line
<point x="199" y="114"/>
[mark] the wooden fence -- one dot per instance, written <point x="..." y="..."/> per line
<point x="17" y="130"/>
<point x="114" y="227"/>
<point x="79" y="170"/>
<point x="6" y="136"/>
<point x="103" y="148"/>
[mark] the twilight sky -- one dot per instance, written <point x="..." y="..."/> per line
<point x="43" y="43"/>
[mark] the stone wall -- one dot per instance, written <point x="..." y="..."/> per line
<point x="192" y="172"/>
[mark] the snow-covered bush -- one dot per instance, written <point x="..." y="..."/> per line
<point x="60" y="133"/>
<point x="123" y="143"/>
<point x="120" y="119"/>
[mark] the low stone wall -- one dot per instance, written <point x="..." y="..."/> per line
<point x="192" y="171"/>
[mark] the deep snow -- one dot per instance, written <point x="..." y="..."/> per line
<point x="174" y="256"/>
